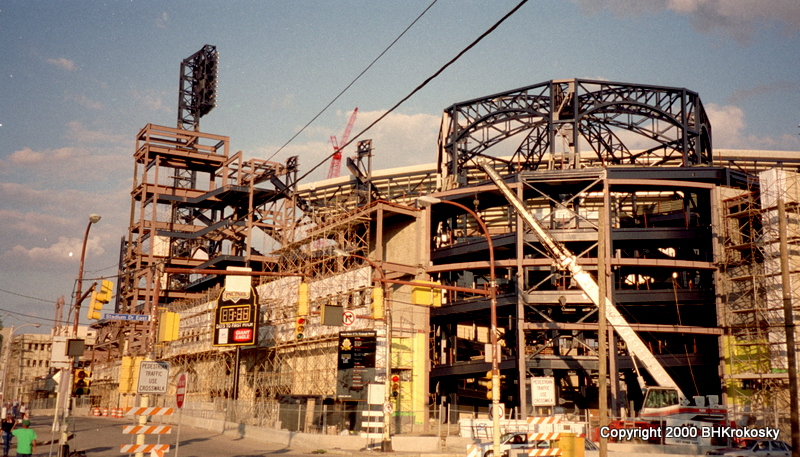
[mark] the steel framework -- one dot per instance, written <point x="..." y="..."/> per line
<point x="670" y="124"/>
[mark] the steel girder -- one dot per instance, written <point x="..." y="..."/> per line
<point x="669" y="126"/>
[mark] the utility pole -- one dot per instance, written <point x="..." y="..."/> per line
<point x="788" y="320"/>
<point x="602" y="324"/>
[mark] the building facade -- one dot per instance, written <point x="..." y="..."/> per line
<point x="621" y="175"/>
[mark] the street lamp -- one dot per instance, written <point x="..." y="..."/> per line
<point x="7" y="350"/>
<point x="386" y="440"/>
<point x="426" y="201"/>
<point x="93" y="219"/>
<point x="63" y="387"/>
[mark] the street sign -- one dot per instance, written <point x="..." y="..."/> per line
<point x="180" y="391"/>
<point x="348" y="318"/>
<point x="153" y="377"/>
<point x="126" y="317"/>
<point x="58" y="356"/>
<point x="543" y="391"/>
<point x="388" y="408"/>
<point x="501" y="411"/>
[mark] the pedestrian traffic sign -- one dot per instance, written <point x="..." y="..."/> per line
<point x="153" y="377"/>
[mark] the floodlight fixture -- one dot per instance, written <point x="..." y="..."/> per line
<point x="197" y="94"/>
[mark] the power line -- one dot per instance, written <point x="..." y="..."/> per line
<point x="424" y="83"/>
<point x="26" y="296"/>
<point x="28" y="316"/>
<point x="352" y="82"/>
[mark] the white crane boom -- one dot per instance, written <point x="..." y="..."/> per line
<point x="567" y="260"/>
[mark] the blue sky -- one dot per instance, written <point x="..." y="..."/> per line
<point x="78" y="80"/>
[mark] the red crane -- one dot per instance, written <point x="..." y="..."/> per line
<point x="336" y="159"/>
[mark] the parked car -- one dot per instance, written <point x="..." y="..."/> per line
<point x="756" y="447"/>
<point x="511" y="441"/>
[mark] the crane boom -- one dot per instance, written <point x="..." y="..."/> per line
<point x="336" y="159"/>
<point x="568" y="261"/>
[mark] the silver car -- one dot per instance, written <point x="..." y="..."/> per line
<point x="756" y="447"/>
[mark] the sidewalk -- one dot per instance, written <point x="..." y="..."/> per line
<point x="411" y="446"/>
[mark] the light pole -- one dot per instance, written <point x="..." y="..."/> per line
<point x="426" y="201"/>
<point x="386" y="441"/>
<point x="66" y="373"/>
<point x="7" y="350"/>
<point x="93" y="219"/>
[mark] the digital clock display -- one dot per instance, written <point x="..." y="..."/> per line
<point x="230" y="314"/>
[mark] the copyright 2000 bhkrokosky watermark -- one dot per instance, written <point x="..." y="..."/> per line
<point x="688" y="432"/>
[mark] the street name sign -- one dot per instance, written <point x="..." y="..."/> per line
<point x="126" y="317"/>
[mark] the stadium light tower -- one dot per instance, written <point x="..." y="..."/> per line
<point x="197" y="94"/>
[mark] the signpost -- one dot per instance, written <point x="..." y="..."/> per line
<point x="153" y="380"/>
<point x="180" y="396"/>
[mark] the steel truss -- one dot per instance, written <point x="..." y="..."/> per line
<point x="553" y="122"/>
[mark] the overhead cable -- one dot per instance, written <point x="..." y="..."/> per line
<point x="424" y="83"/>
<point x="352" y="82"/>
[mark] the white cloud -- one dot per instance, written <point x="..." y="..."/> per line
<point x="29" y="223"/>
<point x="738" y="18"/>
<point x="28" y="156"/>
<point x="80" y="133"/>
<point x="56" y="252"/>
<point x="152" y="99"/>
<point x="162" y="21"/>
<point x="727" y="129"/>
<point x="83" y="100"/>
<point x="285" y="101"/>
<point x="398" y="140"/>
<point x="61" y="62"/>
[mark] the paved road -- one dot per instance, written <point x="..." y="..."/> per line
<point x="102" y="437"/>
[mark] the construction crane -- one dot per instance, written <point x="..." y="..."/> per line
<point x="336" y="159"/>
<point x="666" y="400"/>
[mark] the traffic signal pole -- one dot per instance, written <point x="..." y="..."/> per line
<point x="67" y="380"/>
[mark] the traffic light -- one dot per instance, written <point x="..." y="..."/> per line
<point x="303" y="299"/>
<point x="99" y="299"/>
<point x="377" y="303"/>
<point x="395" y="386"/>
<point x="81" y="382"/>
<point x="486" y="382"/>
<point x="299" y="327"/>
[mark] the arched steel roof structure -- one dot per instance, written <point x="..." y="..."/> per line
<point x="562" y="124"/>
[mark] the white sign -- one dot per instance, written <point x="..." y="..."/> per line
<point x="58" y="355"/>
<point x="543" y="391"/>
<point x="376" y="393"/>
<point x="153" y="377"/>
<point x="501" y="410"/>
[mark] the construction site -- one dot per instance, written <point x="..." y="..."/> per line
<point x="694" y="249"/>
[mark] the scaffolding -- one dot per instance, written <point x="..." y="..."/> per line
<point x="755" y="342"/>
